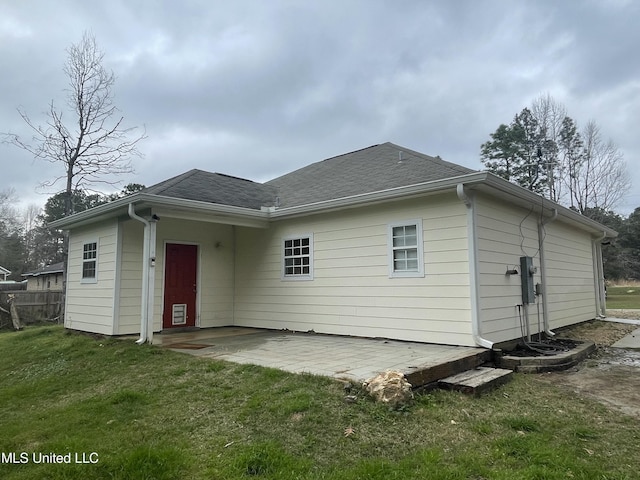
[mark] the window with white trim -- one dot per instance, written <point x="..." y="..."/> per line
<point x="406" y="257"/>
<point x="297" y="258"/>
<point x="90" y="262"/>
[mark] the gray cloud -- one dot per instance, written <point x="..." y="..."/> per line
<point x="256" y="89"/>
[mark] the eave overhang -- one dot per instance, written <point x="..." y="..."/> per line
<point x="168" y="206"/>
<point x="482" y="182"/>
<point x="39" y="274"/>
<point x="500" y="188"/>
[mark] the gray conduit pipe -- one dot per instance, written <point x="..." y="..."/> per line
<point x="543" y="272"/>
<point x="599" y="275"/>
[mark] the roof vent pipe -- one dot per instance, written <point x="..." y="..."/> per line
<point x="145" y="276"/>
<point x="474" y="275"/>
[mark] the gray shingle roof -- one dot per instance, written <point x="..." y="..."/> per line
<point x="53" y="268"/>
<point x="215" y="188"/>
<point x="372" y="169"/>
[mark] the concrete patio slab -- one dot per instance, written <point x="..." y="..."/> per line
<point x="352" y="358"/>
<point x="630" y="341"/>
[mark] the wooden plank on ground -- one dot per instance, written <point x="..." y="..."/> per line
<point x="477" y="381"/>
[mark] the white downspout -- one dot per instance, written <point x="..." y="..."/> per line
<point x="144" y="303"/>
<point x="598" y="272"/>
<point x="543" y="272"/>
<point x="474" y="274"/>
<point x="151" y="273"/>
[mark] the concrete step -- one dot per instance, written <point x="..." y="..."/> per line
<point x="427" y="376"/>
<point x="546" y="363"/>
<point x="476" y="381"/>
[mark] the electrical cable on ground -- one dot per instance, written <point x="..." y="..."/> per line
<point x="542" y="347"/>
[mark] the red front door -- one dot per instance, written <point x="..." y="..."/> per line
<point x="180" y="287"/>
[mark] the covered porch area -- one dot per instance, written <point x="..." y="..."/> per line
<point x="177" y="267"/>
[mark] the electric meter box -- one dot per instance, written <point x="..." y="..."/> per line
<point x="527" y="271"/>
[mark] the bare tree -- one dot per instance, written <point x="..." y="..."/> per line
<point x="599" y="177"/>
<point x="550" y="115"/>
<point x="570" y="149"/>
<point x="30" y="217"/>
<point x="11" y="252"/>
<point x="93" y="145"/>
<point x="543" y="150"/>
<point x="8" y="212"/>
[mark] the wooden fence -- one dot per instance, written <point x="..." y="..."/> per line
<point x="13" y="286"/>
<point x="34" y="306"/>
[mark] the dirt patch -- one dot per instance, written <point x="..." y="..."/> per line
<point x="611" y="375"/>
<point x="599" y="332"/>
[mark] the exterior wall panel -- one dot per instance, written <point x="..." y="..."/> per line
<point x="351" y="292"/>
<point x="507" y="232"/>
<point x="570" y="276"/>
<point x="90" y="306"/>
<point x="130" y="289"/>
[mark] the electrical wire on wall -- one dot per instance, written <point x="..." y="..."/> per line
<point x="522" y="236"/>
<point x="540" y="221"/>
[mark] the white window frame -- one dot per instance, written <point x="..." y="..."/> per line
<point x="419" y="272"/>
<point x="299" y="276"/>
<point x="93" y="279"/>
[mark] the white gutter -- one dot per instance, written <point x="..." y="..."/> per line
<point x="144" y="304"/>
<point x="403" y="192"/>
<point x="543" y="271"/>
<point x="115" y="208"/>
<point x="529" y="197"/>
<point x="474" y="274"/>
<point x="475" y="180"/>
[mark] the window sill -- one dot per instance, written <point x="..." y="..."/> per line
<point x="406" y="275"/>
<point x="301" y="278"/>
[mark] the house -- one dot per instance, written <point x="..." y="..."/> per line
<point x="4" y="273"/>
<point x="49" y="278"/>
<point x="380" y="242"/>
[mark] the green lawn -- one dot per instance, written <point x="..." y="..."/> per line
<point x="623" y="297"/>
<point x="149" y="413"/>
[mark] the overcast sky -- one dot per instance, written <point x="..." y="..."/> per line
<point x="259" y="88"/>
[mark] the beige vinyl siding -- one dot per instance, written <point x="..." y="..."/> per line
<point x="130" y="289"/>
<point x="505" y="233"/>
<point x="351" y="292"/>
<point x="45" y="282"/>
<point x="90" y="306"/>
<point x="214" y="274"/>
<point x="570" y="276"/>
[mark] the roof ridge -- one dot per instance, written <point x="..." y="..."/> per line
<point x="51" y="268"/>
<point x="235" y="178"/>
<point x="165" y="184"/>
<point x="437" y="158"/>
<point x="349" y="153"/>
<point x="319" y="162"/>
